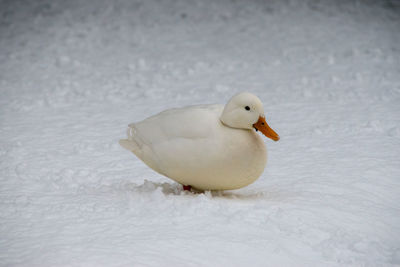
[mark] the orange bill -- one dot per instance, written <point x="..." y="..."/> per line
<point x="262" y="125"/>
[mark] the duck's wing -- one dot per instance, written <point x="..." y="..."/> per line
<point x="162" y="137"/>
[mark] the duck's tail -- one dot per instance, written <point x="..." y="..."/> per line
<point x="140" y="149"/>
<point x="130" y="143"/>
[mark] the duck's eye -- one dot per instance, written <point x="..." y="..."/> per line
<point x="247" y="108"/>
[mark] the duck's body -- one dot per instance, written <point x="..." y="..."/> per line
<point x="193" y="146"/>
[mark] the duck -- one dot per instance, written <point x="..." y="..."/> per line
<point x="205" y="147"/>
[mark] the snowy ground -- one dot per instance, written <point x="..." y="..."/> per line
<point x="73" y="74"/>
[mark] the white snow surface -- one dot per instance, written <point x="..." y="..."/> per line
<point x="73" y="74"/>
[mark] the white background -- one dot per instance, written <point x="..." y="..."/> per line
<point x="73" y="74"/>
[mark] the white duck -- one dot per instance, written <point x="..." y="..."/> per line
<point x="209" y="147"/>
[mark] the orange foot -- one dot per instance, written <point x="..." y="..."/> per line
<point x="187" y="187"/>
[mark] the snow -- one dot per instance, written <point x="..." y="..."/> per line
<point x="73" y="74"/>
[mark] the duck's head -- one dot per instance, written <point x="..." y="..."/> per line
<point x="245" y="111"/>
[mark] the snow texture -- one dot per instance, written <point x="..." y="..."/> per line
<point x="73" y="74"/>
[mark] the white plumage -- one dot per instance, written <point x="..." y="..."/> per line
<point x="209" y="147"/>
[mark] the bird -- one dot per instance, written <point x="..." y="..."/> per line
<point x="205" y="147"/>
